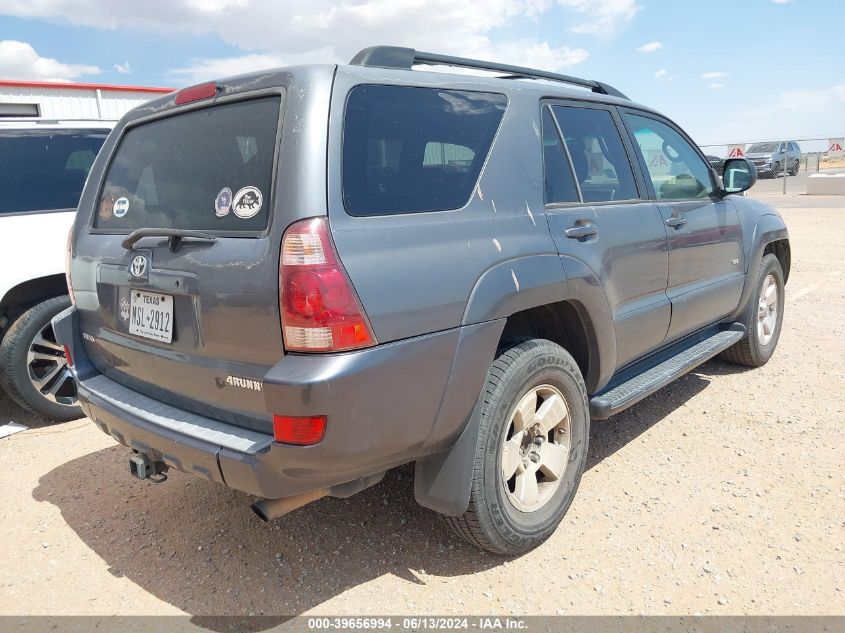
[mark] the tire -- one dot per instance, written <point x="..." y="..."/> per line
<point x="493" y="520"/>
<point x="29" y="354"/>
<point x="794" y="170"/>
<point x="756" y="347"/>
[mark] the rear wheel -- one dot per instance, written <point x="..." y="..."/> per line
<point x="33" y="369"/>
<point x="764" y="321"/>
<point x="531" y="449"/>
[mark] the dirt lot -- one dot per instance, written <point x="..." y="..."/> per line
<point x="724" y="493"/>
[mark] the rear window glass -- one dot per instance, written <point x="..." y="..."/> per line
<point x="209" y="169"/>
<point x="408" y="150"/>
<point x="45" y="170"/>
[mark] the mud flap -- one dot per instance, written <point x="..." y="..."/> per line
<point x="443" y="481"/>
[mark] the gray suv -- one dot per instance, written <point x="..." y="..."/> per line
<point x="773" y="158"/>
<point x="290" y="282"/>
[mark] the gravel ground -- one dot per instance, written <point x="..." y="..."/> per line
<point x="724" y="493"/>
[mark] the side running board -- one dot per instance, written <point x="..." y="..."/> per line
<point x="635" y="385"/>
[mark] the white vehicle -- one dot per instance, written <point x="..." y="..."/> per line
<point x="45" y="164"/>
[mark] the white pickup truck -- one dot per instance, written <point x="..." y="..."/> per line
<point x="45" y="164"/>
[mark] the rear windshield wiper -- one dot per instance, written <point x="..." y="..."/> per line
<point x="175" y="237"/>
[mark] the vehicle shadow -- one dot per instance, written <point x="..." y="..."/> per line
<point x="608" y="436"/>
<point x="197" y="546"/>
<point x="11" y="412"/>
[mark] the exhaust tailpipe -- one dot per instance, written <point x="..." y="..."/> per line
<point x="269" y="509"/>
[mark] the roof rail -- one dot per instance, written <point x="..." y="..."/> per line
<point x="407" y="58"/>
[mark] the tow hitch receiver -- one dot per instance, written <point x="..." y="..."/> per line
<point x="143" y="467"/>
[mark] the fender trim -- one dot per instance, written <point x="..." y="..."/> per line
<point x="768" y="228"/>
<point x="535" y="280"/>
<point x="515" y="285"/>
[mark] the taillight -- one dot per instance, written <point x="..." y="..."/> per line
<point x="301" y="431"/>
<point x="67" y="266"/>
<point x="320" y="310"/>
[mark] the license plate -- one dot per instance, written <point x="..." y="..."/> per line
<point x="151" y="315"/>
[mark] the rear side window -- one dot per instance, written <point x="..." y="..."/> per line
<point x="559" y="182"/>
<point x="45" y="170"/>
<point x="598" y="155"/>
<point x="209" y="169"/>
<point x="408" y="150"/>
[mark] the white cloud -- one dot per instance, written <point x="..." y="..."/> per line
<point x="650" y="47"/>
<point x="714" y="75"/>
<point x="18" y="60"/>
<point x="605" y="16"/>
<point x="204" y="69"/>
<point x="530" y="53"/>
<point x="717" y="85"/>
<point x="334" y="30"/>
<point x="123" y="69"/>
<point x="521" y="53"/>
<point x="795" y="114"/>
<point x="663" y="75"/>
<point x="782" y="1"/>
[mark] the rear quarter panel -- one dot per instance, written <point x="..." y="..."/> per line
<point x="415" y="273"/>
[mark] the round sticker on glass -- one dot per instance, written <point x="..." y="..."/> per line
<point x="247" y="202"/>
<point x="223" y="202"/>
<point x="121" y="207"/>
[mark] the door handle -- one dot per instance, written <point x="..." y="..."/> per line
<point x="676" y="222"/>
<point x="581" y="232"/>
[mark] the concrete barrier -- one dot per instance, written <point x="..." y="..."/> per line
<point x="826" y="185"/>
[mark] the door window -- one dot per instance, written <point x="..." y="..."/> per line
<point x="675" y="168"/>
<point x="45" y="169"/>
<point x="559" y="181"/>
<point x="598" y="155"/>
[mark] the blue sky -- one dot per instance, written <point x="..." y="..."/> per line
<point x="738" y="70"/>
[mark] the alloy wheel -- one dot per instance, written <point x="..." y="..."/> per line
<point x="767" y="310"/>
<point x="48" y="369"/>
<point x="536" y="448"/>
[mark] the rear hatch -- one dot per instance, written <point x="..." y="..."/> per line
<point x="192" y="322"/>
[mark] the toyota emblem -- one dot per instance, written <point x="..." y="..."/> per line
<point x="138" y="267"/>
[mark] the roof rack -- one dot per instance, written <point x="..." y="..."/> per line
<point x="407" y="58"/>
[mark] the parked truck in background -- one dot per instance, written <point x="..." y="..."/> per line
<point x="45" y="164"/>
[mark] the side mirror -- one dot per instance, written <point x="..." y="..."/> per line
<point x="739" y="175"/>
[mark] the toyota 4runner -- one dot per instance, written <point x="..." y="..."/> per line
<point x="291" y="281"/>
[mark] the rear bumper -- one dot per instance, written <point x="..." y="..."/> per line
<point x="382" y="406"/>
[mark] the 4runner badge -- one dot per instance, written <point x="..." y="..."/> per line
<point x="242" y="383"/>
